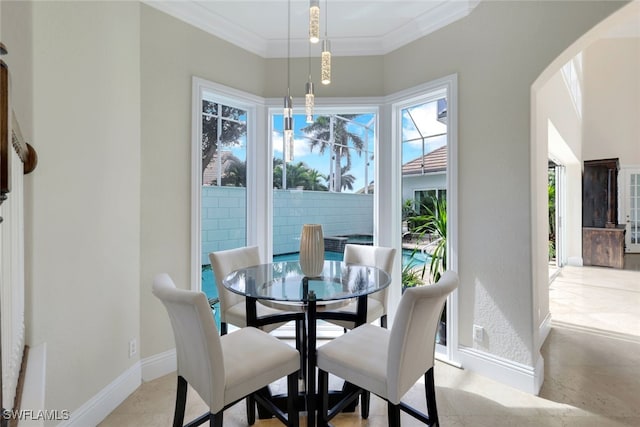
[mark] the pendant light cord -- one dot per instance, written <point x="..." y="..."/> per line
<point x="288" y="47"/>
<point x="326" y="19"/>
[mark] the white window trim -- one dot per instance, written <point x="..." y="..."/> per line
<point x="430" y="91"/>
<point x="387" y="173"/>
<point x="252" y="105"/>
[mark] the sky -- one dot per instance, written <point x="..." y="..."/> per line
<point x="424" y="123"/>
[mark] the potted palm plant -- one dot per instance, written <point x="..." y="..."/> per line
<point x="436" y="224"/>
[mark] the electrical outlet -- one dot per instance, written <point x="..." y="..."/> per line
<point x="133" y="347"/>
<point x="478" y="333"/>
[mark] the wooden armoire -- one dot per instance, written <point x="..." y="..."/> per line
<point x="602" y="237"/>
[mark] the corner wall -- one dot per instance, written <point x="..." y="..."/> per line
<point x="498" y="52"/>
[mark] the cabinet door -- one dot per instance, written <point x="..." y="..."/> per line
<point x="594" y="196"/>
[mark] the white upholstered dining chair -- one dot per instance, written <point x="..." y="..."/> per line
<point x="224" y="369"/>
<point x="389" y="362"/>
<point x="373" y="256"/>
<point x="233" y="306"/>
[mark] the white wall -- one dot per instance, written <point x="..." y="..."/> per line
<point x="560" y="129"/>
<point x="411" y="184"/>
<point x="612" y="101"/>
<point x="84" y="260"/>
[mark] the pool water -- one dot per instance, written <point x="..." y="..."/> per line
<point x="359" y="239"/>
<point x="209" y="284"/>
<point x="418" y="258"/>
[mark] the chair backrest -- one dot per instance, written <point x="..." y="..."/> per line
<point x="223" y="263"/>
<point x="198" y="346"/>
<point x="413" y="335"/>
<point x="373" y="256"/>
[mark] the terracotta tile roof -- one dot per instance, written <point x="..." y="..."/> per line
<point x="435" y="161"/>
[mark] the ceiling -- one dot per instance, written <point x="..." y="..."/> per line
<point x="356" y="27"/>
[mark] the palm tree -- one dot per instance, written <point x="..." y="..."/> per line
<point x="319" y="134"/>
<point x="314" y="177"/>
<point x="346" y="179"/>
<point x="436" y="224"/>
<point x="234" y="171"/>
<point x="298" y="175"/>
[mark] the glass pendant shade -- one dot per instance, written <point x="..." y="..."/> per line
<point x="325" y="70"/>
<point x="314" y="21"/>
<point x="287" y="119"/>
<point x="309" y="101"/>
<point x="288" y="145"/>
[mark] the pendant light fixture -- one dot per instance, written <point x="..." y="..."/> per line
<point x="287" y="117"/>
<point x="309" y="97"/>
<point x="314" y="21"/>
<point x="325" y="70"/>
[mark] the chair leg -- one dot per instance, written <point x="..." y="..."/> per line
<point x="293" y="416"/>
<point x="303" y="352"/>
<point x="215" y="420"/>
<point x="181" y="400"/>
<point x="365" y="399"/>
<point x="383" y="321"/>
<point x="323" y="395"/>
<point x="300" y="345"/>
<point x="430" y="391"/>
<point x="251" y="409"/>
<point x="223" y="328"/>
<point x="393" y="412"/>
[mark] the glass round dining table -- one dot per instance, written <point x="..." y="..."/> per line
<point x="284" y="285"/>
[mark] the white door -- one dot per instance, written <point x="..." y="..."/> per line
<point x="631" y="210"/>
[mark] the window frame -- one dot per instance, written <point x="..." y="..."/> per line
<point x="252" y="105"/>
<point x="447" y="86"/>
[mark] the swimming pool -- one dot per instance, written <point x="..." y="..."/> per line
<point x="418" y="258"/>
<point x="359" y="239"/>
<point x="209" y="285"/>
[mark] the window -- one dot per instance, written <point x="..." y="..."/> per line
<point x="572" y="74"/>
<point x="425" y="177"/>
<point x="329" y="180"/>
<point x="224" y="144"/>
<point x="425" y="200"/>
<point x="222" y="187"/>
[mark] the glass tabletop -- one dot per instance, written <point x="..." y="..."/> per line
<point x="284" y="281"/>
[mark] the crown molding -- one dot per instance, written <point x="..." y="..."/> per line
<point x="194" y="13"/>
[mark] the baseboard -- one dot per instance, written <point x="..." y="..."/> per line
<point x="159" y="365"/>
<point x="523" y="377"/>
<point x="575" y="261"/>
<point x="544" y="329"/>
<point x="102" y="404"/>
<point x="34" y="383"/>
<point x="97" y="408"/>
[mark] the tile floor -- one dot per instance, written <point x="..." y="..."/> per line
<point x="591" y="358"/>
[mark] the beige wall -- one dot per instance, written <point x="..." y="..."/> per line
<point x="172" y="52"/>
<point x="498" y="51"/>
<point x="612" y="101"/>
<point x="84" y="260"/>
<point x="350" y="76"/>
